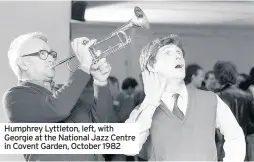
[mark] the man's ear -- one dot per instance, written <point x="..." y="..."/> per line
<point x="151" y="68"/>
<point x="22" y="64"/>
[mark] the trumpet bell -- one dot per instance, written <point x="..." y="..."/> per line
<point x="140" y="19"/>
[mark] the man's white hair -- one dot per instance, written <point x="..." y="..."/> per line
<point x="15" y="49"/>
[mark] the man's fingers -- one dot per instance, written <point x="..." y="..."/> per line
<point x="90" y="43"/>
<point x="104" y="65"/>
<point x="72" y="45"/>
<point x="146" y="74"/>
<point x="85" y="40"/>
<point x="143" y="76"/>
<point x="162" y="81"/>
<point x="105" y="71"/>
<point x="156" y="78"/>
<point x="98" y="53"/>
<point x="80" y="40"/>
<point x="99" y="63"/>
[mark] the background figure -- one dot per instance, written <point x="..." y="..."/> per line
<point x="210" y="83"/>
<point x="241" y="78"/>
<point x="240" y="102"/>
<point x="126" y="99"/>
<point x="194" y="76"/>
<point x="114" y="88"/>
<point x="251" y="81"/>
<point x="249" y="86"/>
<point x="125" y="103"/>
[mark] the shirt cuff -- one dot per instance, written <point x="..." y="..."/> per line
<point x="100" y="83"/>
<point x="85" y="69"/>
<point x="147" y="103"/>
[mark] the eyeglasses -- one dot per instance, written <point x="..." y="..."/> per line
<point x="43" y="54"/>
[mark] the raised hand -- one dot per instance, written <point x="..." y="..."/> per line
<point x="100" y="71"/>
<point x="80" y="47"/>
<point x="154" y="86"/>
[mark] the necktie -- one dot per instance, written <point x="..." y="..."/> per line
<point x="176" y="111"/>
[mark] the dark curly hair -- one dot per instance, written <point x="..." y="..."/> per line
<point x="113" y="79"/>
<point x="190" y="71"/>
<point x="129" y="82"/>
<point x="225" y="72"/>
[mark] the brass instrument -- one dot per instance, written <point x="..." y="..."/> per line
<point x="139" y="20"/>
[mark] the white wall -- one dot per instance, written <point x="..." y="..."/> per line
<point x="203" y="45"/>
<point x="17" y="18"/>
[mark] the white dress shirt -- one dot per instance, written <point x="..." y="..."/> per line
<point x="234" y="146"/>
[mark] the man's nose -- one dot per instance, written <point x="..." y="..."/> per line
<point x="178" y="57"/>
<point x="50" y="58"/>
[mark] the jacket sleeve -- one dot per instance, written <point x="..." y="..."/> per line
<point x="104" y="108"/>
<point x="125" y="107"/>
<point x="26" y="106"/>
<point x="235" y="145"/>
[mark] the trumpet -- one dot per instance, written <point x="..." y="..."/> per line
<point x="138" y="20"/>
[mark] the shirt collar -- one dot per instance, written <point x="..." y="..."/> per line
<point x="183" y="93"/>
<point x="48" y="86"/>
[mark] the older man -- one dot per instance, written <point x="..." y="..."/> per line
<point x="181" y="120"/>
<point x="35" y="100"/>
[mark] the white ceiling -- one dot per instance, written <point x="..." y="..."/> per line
<point x="171" y="12"/>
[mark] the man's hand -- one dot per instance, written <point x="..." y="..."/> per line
<point x="82" y="53"/>
<point x="154" y="86"/>
<point x="100" y="72"/>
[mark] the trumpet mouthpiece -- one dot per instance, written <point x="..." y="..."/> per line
<point x="52" y="67"/>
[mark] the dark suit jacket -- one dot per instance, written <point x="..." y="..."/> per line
<point x="240" y="103"/>
<point x="31" y="103"/>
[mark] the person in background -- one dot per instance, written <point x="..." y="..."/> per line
<point x="250" y="82"/>
<point x="114" y="89"/>
<point x="249" y="87"/>
<point x="210" y="82"/>
<point x="126" y="99"/>
<point x="240" y="102"/>
<point x="126" y="103"/>
<point x="241" y="78"/>
<point x="194" y="76"/>
<point x="36" y="100"/>
<point x="181" y="120"/>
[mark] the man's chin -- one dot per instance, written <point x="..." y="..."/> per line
<point x="51" y="76"/>
<point x="180" y="76"/>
